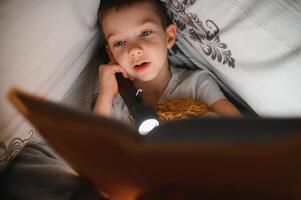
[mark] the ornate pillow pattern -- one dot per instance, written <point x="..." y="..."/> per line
<point x="252" y="48"/>
<point x="205" y="34"/>
<point x="10" y="151"/>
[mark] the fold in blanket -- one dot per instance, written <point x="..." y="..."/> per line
<point x="39" y="173"/>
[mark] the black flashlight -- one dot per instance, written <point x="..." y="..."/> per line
<point x="144" y="116"/>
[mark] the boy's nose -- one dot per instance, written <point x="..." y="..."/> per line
<point x="136" y="51"/>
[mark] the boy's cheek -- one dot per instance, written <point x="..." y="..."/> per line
<point x="122" y="59"/>
<point x="117" y="55"/>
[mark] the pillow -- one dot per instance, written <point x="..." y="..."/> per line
<point x="251" y="47"/>
<point x="45" y="46"/>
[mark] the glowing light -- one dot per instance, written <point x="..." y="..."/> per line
<point x="147" y="126"/>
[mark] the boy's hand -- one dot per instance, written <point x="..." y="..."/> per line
<point x="107" y="79"/>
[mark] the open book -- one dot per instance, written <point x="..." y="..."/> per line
<point x="215" y="157"/>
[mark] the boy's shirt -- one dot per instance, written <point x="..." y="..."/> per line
<point x="184" y="83"/>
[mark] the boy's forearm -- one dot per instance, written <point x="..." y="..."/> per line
<point x="103" y="105"/>
<point x="225" y="108"/>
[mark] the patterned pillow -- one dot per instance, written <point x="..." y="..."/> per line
<point x="251" y="47"/>
<point x="45" y="47"/>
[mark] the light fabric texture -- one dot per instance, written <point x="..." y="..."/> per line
<point x="45" y="46"/>
<point x="252" y="48"/>
<point x="184" y="83"/>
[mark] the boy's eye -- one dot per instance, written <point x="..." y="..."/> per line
<point x="118" y="43"/>
<point x="146" y="33"/>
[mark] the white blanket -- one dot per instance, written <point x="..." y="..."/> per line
<point x="253" y="47"/>
<point x="44" y="47"/>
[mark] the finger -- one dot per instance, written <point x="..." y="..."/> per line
<point x="117" y="68"/>
<point x="131" y="77"/>
<point x="125" y="75"/>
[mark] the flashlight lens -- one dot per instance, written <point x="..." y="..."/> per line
<point x="147" y="126"/>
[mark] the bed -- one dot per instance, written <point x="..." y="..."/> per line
<point x="252" y="48"/>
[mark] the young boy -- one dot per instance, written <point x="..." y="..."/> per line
<point x="137" y="39"/>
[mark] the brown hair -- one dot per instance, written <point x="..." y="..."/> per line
<point x="108" y="5"/>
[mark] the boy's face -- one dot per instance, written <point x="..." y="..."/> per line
<point x="137" y="41"/>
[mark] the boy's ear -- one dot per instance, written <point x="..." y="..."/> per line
<point x="111" y="57"/>
<point x="171" y="32"/>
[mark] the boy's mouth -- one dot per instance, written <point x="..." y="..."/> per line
<point x="142" y="66"/>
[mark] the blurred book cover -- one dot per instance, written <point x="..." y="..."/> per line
<point x="210" y="158"/>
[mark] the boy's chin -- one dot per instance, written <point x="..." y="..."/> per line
<point x="146" y="78"/>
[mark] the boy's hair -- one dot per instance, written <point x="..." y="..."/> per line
<point x="108" y="5"/>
